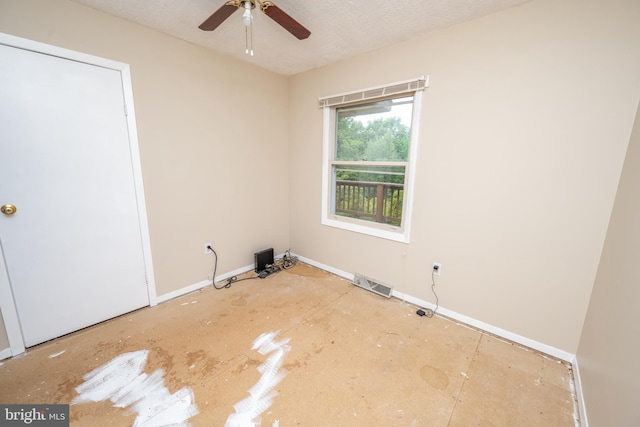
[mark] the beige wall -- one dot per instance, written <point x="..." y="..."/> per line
<point x="213" y="136"/>
<point x="523" y="135"/>
<point x="609" y="346"/>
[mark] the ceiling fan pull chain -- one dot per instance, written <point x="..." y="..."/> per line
<point x="247" y="19"/>
<point x="248" y="35"/>
<point x="251" y="40"/>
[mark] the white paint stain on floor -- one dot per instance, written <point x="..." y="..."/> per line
<point x="261" y="395"/>
<point x="122" y="381"/>
<point x="51" y="356"/>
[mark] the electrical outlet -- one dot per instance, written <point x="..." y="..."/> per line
<point x="206" y="248"/>
<point x="437" y="268"/>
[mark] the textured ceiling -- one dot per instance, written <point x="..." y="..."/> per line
<point x="339" y="28"/>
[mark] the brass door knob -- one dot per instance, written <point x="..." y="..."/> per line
<point x="8" y="209"/>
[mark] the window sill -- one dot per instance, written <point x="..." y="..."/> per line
<point x="390" y="233"/>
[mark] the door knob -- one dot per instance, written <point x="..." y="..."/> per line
<point x="8" y="209"/>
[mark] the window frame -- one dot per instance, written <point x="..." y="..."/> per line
<point x="329" y="106"/>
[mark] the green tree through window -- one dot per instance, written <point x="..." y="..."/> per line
<point x="370" y="160"/>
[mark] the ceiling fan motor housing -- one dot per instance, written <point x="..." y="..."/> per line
<point x="267" y="7"/>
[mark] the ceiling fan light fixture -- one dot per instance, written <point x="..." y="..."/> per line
<point x="247" y="18"/>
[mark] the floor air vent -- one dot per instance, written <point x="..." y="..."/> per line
<point x="372" y="285"/>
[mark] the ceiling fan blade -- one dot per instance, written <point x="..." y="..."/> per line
<point x="218" y="17"/>
<point x="287" y="22"/>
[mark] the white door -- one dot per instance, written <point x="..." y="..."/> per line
<point x="73" y="247"/>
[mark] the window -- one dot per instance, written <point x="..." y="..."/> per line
<point x="369" y="155"/>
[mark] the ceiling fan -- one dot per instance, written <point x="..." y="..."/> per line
<point x="267" y="7"/>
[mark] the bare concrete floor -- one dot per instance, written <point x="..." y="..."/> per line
<point x="355" y="359"/>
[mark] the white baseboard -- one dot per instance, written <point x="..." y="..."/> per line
<point x="335" y="271"/>
<point x="196" y="286"/>
<point x="502" y="333"/>
<point x="541" y="347"/>
<point x="582" y="411"/>
<point x="5" y="354"/>
<point x="519" y="339"/>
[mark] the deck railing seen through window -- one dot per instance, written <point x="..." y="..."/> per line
<point x="373" y="201"/>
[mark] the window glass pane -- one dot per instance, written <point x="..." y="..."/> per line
<point x="371" y="193"/>
<point x="378" y="131"/>
<point x="365" y="173"/>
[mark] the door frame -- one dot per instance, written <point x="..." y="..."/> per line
<point x="7" y="304"/>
